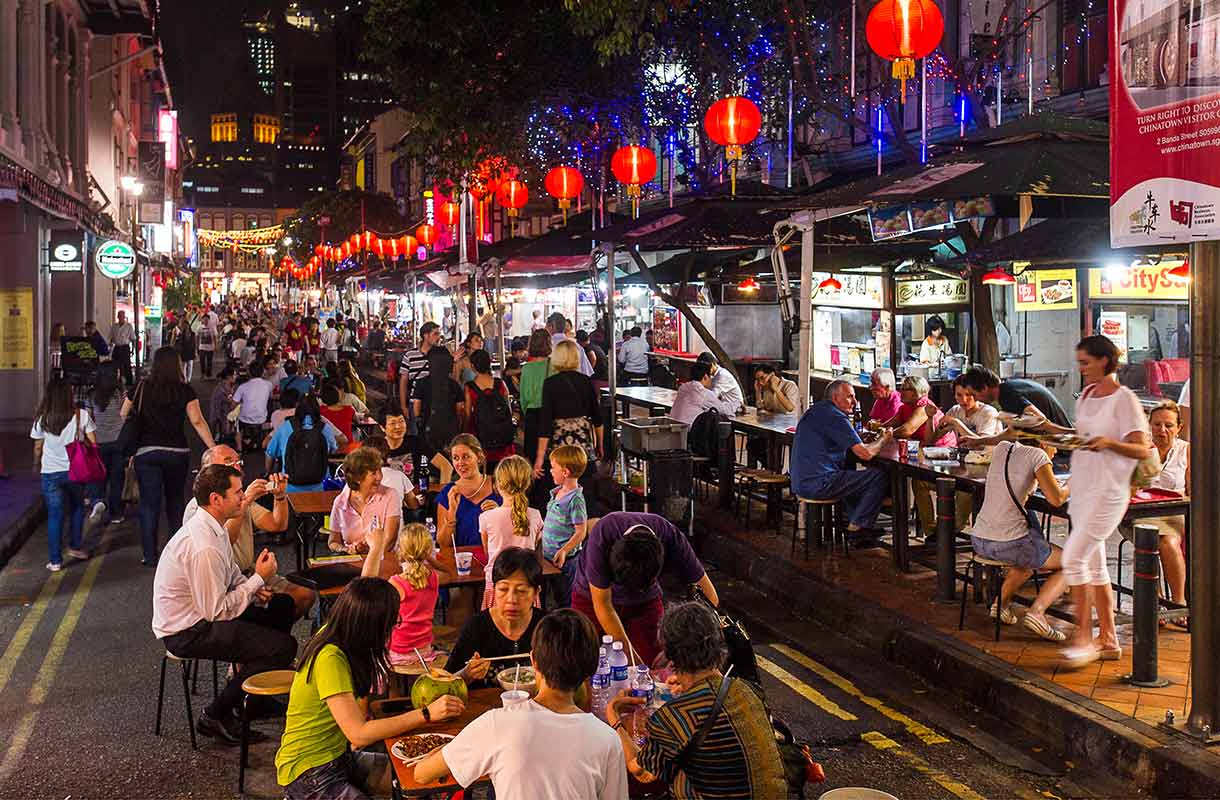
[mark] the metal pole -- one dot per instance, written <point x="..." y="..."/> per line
<point x="611" y="356"/>
<point x="923" y="111"/>
<point x="1204" y="714"/>
<point x="805" y="314"/>
<point x="999" y="96"/>
<point x="946" y="539"/>
<point x="137" y="311"/>
<point x="852" y="79"/>
<point x="1029" y="68"/>
<point x="790" y="130"/>
<point x="496" y="309"/>
<point x="1147" y="577"/>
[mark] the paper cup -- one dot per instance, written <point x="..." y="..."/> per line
<point x="513" y="697"/>
<point x="463" y="563"/>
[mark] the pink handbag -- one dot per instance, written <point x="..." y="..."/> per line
<point x="84" y="460"/>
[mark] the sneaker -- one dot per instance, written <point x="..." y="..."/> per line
<point x="99" y="508"/>
<point x="1006" y="616"/>
<point x="119" y="520"/>
<point x="79" y="555"/>
<point x="53" y="567"/>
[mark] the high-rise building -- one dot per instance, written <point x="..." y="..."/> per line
<point x="260" y="40"/>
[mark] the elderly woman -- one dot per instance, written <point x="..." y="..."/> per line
<point x="918" y="417"/>
<point x="1165" y="420"/>
<point x="365" y="508"/>
<point x="506" y="628"/>
<point x="462" y="500"/>
<point x="570" y="414"/>
<point x="738" y="756"/>
<point x="886" y="400"/>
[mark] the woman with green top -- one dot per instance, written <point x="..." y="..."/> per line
<point x="325" y="715"/>
<point x="533" y="374"/>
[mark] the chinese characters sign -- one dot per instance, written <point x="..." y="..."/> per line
<point x="1138" y="282"/>
<point x="1046" y="290"/>
<point x="858" y="291"/>
<point x="938" y="292"/>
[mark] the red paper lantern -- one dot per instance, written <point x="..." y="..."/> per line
<point x="319" y="249"/>
<point x="450" y="214"/>
<point x="366" y="240"/>
<point x="902" y="31"/>
<point x="379" y="246"/>
<point x="407" y="244"/>
<point x="354" y="241"/>
<point x="633" y="165"/>
<point x="732" y="121"/>
<point x="426" y="234"/>
<point x="513" y="195"/>
<point x="345" y="250"/>
<point x="564" y="184"/>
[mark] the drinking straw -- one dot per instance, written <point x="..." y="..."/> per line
<point x="516" y="677"/>
<point x="422" y="662"/>
<point x="631" y="651"/>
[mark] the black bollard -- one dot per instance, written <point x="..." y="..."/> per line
<point x="724" y="460"/>
<point x="1147" y="579"/>
<point x="946" y="539"/>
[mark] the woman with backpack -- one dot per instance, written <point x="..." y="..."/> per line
<point x="489" y="412"/>
<point x="302" y="443"/>
<point x="437" y="401"/>
<point x="58" y="423"/>
<point x="571" y="414"/>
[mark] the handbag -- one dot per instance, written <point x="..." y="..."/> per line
<point x="1031" y="519"/>
<point x="129" y="434"/>
<point x="131" y="484"/>
<point x="799" y="766"/>
<point x="688" y="752"/>
<point x="84" y="459"/>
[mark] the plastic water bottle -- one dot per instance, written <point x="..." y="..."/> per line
<point x="641" y="686"/>
<point x="601" y="685"/>
<point x="608" y="643"/>
<point x="431" y="525"/>
<point x="619" y="679"/>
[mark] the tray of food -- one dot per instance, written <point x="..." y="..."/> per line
<point x="413" y="748"/>
<point x="1064" y="441"/>
<point x="1020" y="420"/>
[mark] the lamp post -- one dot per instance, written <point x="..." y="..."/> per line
<point x="134" y="189"/>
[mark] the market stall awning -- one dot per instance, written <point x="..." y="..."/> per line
<point x="840" y="258"/>
<point x="1067" y="242"/>
<point x="694" y="265"/>
<point x="702" y="223"/>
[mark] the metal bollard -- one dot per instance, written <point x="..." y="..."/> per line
<point x="724" y="460"/>
<point x="946" y="539"/>
<point x="1147" y="579"/>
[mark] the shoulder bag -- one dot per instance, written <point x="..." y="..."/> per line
<point x="129" y="434"/>
<point x="1031" y="519"/>
<point x="1147" y="468"/>
<point x="84" y="460"/>
<point x="688" y="752"/>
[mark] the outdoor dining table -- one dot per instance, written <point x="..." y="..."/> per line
<point x="403" y="780"/>
<point x="309" y="508"/>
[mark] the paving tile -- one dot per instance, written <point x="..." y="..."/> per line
<point x="1128" y="695"/>
<point x="1122" y="708"/>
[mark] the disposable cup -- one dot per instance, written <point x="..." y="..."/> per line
<point x="463" y="563"/>
<point x="513" y="696"/>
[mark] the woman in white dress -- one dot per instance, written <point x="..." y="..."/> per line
<point x="1111" y="420"/>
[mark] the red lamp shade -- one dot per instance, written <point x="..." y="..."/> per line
<point x="513" y="195"/>
<point x="633" y="165"/>
<point x="732" y="121"/>
<point x="998" y="277"/>
<point x="748" y="285"/>
<point x="1181" y="271"/>
<point x="379" y="246"/>
<point x="345" y="250"/>
<point x="564" y="184"/>
<point x="902" y="31"/>
<point x="319" y="249"/>
<point x="426" y="234"/>
<point x="830" y="284"/>
<point x="354" y="241"/>
<point x="451" y="214"/>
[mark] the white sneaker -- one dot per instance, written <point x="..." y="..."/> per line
<point x="99" y="508"/>
<point x="53" y="567"/>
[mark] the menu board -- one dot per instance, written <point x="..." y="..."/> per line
<point x="929" y="214"/>
<point x="857" y="290"/>
<point x="972" y="207"/>
<point x="888" y="223"/>
<point x="1139" y="282"/>
<point x="1047" y="290"/>
<point x="931" y="292"/>
<point x="1113" y="326"/>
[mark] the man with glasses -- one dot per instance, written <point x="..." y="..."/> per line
<point x="255" y="515"/>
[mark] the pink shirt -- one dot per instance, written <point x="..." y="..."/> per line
<point x="935" y="415"/>
<point x="883" y="410"/>
<point x="414" y="628"/>
<point x="497" y="524"/>
<point x="382" y="504"/>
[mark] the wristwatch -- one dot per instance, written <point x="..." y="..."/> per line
<point x="427" y="714"/>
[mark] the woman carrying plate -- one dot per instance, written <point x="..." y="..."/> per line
<point x="320" y="754"/>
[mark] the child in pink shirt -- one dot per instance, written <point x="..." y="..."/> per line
<point x="514" y="524"/>
<point x="417" y="586"/>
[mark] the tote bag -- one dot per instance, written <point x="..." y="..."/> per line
<point x="84" y="461"/>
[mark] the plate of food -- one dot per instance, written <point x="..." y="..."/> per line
<point x="413" y="748"/>
<point x="1065" y="441"/>
<point x="1020" y="420"/>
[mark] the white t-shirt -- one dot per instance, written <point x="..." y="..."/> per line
<point x="530" y="752"/>
<point x="1101" y="480"/>
<point x="397" y="480"/>
<point x="55" y="448"/>
<point x="999" y="520"/>
<point x="330" y="339"/>
<point x="983" y="421"/>
<point x="253" y="396"/>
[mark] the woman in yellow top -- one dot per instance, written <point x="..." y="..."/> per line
<point x="327" y="708"/>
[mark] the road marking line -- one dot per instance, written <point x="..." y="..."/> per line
<point x="918" y="729"/>
<point x="943" y="779"/>
<point x="50" y="666"/>
<point x="16" y="646"/>
<point x="808" y="692"/>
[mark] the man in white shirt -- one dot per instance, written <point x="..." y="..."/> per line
<point x="633" y="355"/>
<point x="544" y="747"/>
<point x="203" y="607"/>
<point x="724" y="384"/>
<point x="254" y="396"/>
<point x="122" y="337"/>
<point x="330" y="342"/>
<point x="696" y="396"/>
<point x="557" y="324"/>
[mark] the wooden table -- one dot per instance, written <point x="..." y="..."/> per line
<point x="479" y="702"/>
<point x="309" y="508"/>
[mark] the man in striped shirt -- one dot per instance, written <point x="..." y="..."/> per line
<point x="415" y="363"/>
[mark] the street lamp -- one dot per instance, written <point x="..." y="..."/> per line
<point x="134" y="188"/>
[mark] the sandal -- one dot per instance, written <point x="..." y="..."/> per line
<point x="1110" y="653"/>
<point x="1040" y="627"/>
<point x="1006" y="616"/>
<point x="1076" y="657"/>
<point x="1180" y="622"/>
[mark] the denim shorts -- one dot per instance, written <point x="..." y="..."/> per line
<point x="345" y="778"/>
<point x="1029" y="551"/>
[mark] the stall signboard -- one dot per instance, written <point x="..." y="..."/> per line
<point x="1138" y="282"/>
<point x="1113" y="326"/>
<point x="1164" y="122"/>
<point x="66" y="251"/>
<point x="858" y="291"/>
<point x="889" y="223"/>
<point x="1047" y="290"/>
<point x="931" y="292"/>
<point x="115" y="259"/>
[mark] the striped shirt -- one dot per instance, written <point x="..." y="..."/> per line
<point x="563" y="514"/>
<point x="738" y="758"/>
<point x="416" y="365"/>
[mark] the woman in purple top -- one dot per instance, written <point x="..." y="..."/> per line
<point x="617" y="586"/>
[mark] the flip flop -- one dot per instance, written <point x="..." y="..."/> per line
<point x="1110" y="653"/>
<point x="1076" y="657"/>
<point x="1180" y="622"/>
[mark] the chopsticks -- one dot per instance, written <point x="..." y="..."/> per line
<point x="509" y="658"/>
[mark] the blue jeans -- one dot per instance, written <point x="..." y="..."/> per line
<point x="161" y="474"/>
<point x="348" y="777"/>
<point x="562" y="583"/>
<point x="862" y="491"/>
<point x="111" y="489"/>
<point x="62" y="497"/>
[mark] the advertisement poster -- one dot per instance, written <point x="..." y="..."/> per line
<point x="888" y="223"/>
<point x="1046" y="290"/>
<point x="1139" y="282"/>
<point x="1164" y="121"/>
<point x="930" y="214"/>
<point x="17" y="329"/>
<point x="1113" y="326"/>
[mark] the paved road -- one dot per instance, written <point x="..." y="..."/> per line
<point x="78" y="682"/>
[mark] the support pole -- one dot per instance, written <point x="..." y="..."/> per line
<point x="1147" y="577"/>
<point x="805" y="315"/>
<point x="611" y="356"/>
<point x="496" y="309"/>
<point x="946" y="539"/>
<point x="790" y="127"/>
<point x="1204" y="714"/>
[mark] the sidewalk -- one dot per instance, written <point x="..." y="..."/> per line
<point x="1090" y="713"/>
<point x="21" y="506"/>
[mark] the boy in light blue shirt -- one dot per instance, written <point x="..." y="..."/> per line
<point x="567" y="518"/>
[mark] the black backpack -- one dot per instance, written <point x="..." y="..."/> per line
<point x="493" y="417"/>
<point x="701" y="439"/>
<point x="305" y="454"/>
